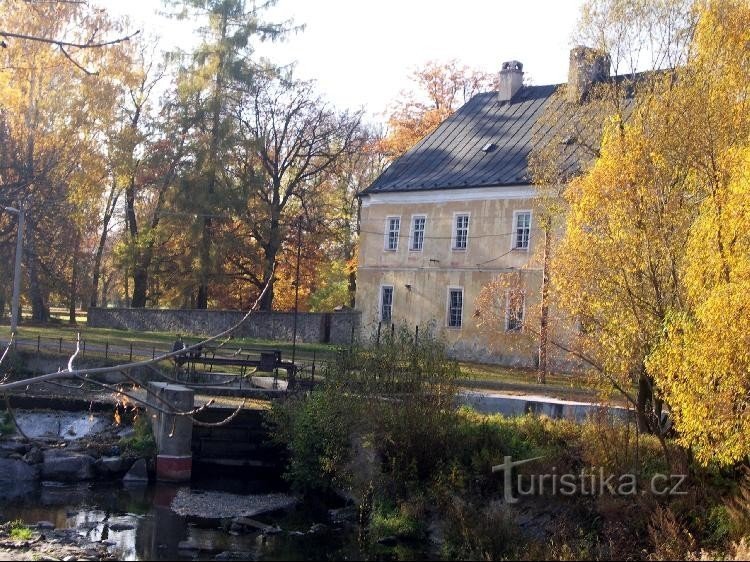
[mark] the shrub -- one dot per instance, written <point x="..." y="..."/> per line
<point x="142" y="442"/>
<point x="19" y="531"/>
<point x="404" y="521"/>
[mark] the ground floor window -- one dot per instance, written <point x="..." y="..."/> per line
<point x="455" y="307"/>
<point x="386" y="303"/>
<point x="514" y="310"/>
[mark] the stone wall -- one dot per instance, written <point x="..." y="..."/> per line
<point x="312" y="327"/>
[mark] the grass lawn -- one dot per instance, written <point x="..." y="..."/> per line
<point x="497" y="378"/>
<point x="161" y="340"/>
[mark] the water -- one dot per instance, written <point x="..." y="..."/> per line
<point x="141" y="526"/>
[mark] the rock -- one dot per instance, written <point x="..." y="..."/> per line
<point x="67" y="466"/>
<point x="228" y="555"/>
<point x="318" y="529"/>
<point x="34" y="456"/>
<point x="14" y="470"/>
<point x="388" y="541"/>
<point x="45" y="525"/>
<point x="137" y="473"/>
<point x="187" y="545"/>
<point x="118" y="527"/>
<point x="110" y="465"/>
<point x="347" y="514"/>
<point x="8" y="447"/>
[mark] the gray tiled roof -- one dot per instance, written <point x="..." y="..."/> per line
<point x="452" y="155"/>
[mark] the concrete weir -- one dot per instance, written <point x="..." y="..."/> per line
<point x="173" y="433"/>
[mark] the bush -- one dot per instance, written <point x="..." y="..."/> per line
<point x="404" y="521"/>
<point x="142" y="442"/>
<point x="19" y="531"/>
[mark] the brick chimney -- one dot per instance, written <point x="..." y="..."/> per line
<point x="511" y="80"/>
<point x="587" y="67"/>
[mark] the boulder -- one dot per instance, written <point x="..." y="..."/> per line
<point x="137" y="473"/>
<point x="111" y="465"/>
<point x="67" y="466"/>
<point x="34" y="456"/>
<point x="14" y="470"/>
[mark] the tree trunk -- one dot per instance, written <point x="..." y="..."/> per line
<point x="201" y="299"/>
<point x="39" y="306"/>
<point x="544" y="313"/>
<point x="72" y="296"/>
<point x="643" y="403"/>
<point x="96" y="273"/>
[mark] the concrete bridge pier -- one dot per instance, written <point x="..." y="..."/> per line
<point x="173" y="434"/>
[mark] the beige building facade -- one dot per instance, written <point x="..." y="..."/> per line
<point x="424" y="258"/>
<point x="449" y="233"/>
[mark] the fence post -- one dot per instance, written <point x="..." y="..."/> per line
<point x="393" y="331"/>
<point x="131" y="352"/>
<point x="153" y="353"/>
<point x="312" y="372"/>
<point x="416" y="334"/>
<point x="60" y="349"/>
<point x="377" y="339"/>
<point x="38" y="343"/>
<point x="106" y="349"/>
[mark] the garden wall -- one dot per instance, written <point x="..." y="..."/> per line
<point x="312" y="327"/>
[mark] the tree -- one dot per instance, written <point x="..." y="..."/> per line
<point x="290" y="141"/>
<point x="623" y="34"/>
<point x="701" y="365"/>
<point x="440" y="90"/>
<point x="52" y="156"/>
<point x="220" y="65"/>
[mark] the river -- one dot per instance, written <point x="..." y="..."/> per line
<point x="139" y="524"/>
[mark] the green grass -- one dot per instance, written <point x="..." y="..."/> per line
<point x="19" y="531"/>
<point x="160" y="340"/>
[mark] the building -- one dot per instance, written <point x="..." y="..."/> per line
<point x="459" y="209"/>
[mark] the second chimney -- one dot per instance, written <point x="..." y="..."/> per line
<point x="511" y="80"/>
<point x="587" y="67"/>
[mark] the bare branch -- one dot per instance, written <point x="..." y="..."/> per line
<point x="62" y="43"/>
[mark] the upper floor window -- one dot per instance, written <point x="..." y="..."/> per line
<point x="515" y="303"/>
<point x="461" y="232"/>
<point x="521" y="230"/>
<point x="417" y="233"/>
<point x="392" y="229"/>
<point x="455" y="307"/>
<point x="386" y="303"/>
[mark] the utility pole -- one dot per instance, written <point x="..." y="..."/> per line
<point x="15" y="305"/>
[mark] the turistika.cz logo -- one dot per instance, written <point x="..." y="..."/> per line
<point x="591" y="482"/>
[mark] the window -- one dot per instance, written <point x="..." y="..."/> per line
<point x="514" y="308"/>
<point x="461" y="232"/>
<point x="392" y="228"/>
<point x="386" y="303"/>
<point x="521" y="230"/>
<point x="417" y="233"/>
<point x="455" y="307"/>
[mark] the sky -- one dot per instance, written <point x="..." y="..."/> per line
<point x="361" y="52"/>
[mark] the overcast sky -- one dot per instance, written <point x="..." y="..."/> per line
<point x="361" y="52"/>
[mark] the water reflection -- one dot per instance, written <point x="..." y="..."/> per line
<point x="136" y="522"/>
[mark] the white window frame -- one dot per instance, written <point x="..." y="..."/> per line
<point x="386" y="237"/>
<point x="448" y="308"/>
<point x="508" y="294"/>
<point x="454" y="230"/>
<point x="380" y="302"/>
<point x="411" y="232"/>
<point x="514" y="235"/>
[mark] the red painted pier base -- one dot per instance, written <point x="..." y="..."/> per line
<point x="171" y="468"/>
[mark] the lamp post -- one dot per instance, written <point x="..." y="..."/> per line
<point x="14" y="314"/>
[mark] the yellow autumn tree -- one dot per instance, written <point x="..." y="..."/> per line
<point x="654" y="239"/>
<point x="702" y="366"/>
